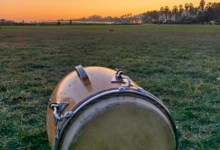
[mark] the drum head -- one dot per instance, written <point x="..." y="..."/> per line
<point x="120" y="123"/>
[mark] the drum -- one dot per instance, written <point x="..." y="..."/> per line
<point x="97" y="108"/>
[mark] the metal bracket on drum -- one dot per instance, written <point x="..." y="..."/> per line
<point x="82" y="74"/>
<point x="119" y="77"/>
<point x="58" y="109"/>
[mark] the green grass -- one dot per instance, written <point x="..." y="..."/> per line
<point x="178" y="63"/>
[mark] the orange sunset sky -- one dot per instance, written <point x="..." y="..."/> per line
<point x="39" y="10"/>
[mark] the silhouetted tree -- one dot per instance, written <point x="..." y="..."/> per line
<point x="191" y="7"/>
<point x="154" y="15"/>
<point x="202" y="4"/>
<point x="216" y="12"/>
<point x="70" y="22"/>
<point x="181" y="8"/>
<point x="192" y="11"/>
<point x="209" y="11"/>
<point x="186" y="6"/>
<point x="166" y="10"/>
<point x="175" y="11"/>
<point x="161" y="10"/>
<point x="145" y="17"/>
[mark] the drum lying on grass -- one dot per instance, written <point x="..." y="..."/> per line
<point x="96" y="108"/>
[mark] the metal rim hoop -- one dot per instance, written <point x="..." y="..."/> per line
<point x="110" y="93"/>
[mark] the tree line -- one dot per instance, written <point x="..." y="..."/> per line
<point x="183" y="14"/>
<point x="187" y="13"/>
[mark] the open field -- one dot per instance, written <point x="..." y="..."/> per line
<point x="178" y="63"/>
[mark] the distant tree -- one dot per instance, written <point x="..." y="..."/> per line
<point x="202" y="4"/>
<point x="145" y="17"/>
<point x="161" y="14"/>
<point x="191" y="7"/>
<point x="161" y="10"/>
<point x="192" y="10"/>
<point x="108" y="19"/>
<point x="209" y="11"/>
<point x="82" y="19"/>
<point x="94" y="18"/>
<point x="126" y="18"/>
<point x="154" y="16"/>
<point x="185" y="15"/>
<point x="208" y="5"/>
<point x="216" y="13"/>
<point x="175" y="11"/>
<point x="70" y="22"/>
<point x="180" y="11"/>
<point x="181" y="8"/>
<point x="186" y="6"/>
<point x="151" y="16"/>
<point x="166" y="10"/>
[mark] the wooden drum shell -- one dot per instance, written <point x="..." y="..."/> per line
<point x="74" y="90"/>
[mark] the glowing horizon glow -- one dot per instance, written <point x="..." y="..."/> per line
<point x="39" y="10"/>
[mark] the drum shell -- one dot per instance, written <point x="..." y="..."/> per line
<point x="73" y="90"/>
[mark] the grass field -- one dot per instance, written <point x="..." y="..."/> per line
<point x="178" y="63"/>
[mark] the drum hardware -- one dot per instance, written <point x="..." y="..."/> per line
<point x="119" y="73"/>
<point x="58" y="109"/>
<point x="120" y="77"/>
<point x="82" y="74"/>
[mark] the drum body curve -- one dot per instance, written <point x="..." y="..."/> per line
<point x="97" y="108"/>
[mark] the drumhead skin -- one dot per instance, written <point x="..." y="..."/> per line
<point x="121" y="122"/>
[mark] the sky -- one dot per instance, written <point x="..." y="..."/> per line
<point x="41" y="10"/>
